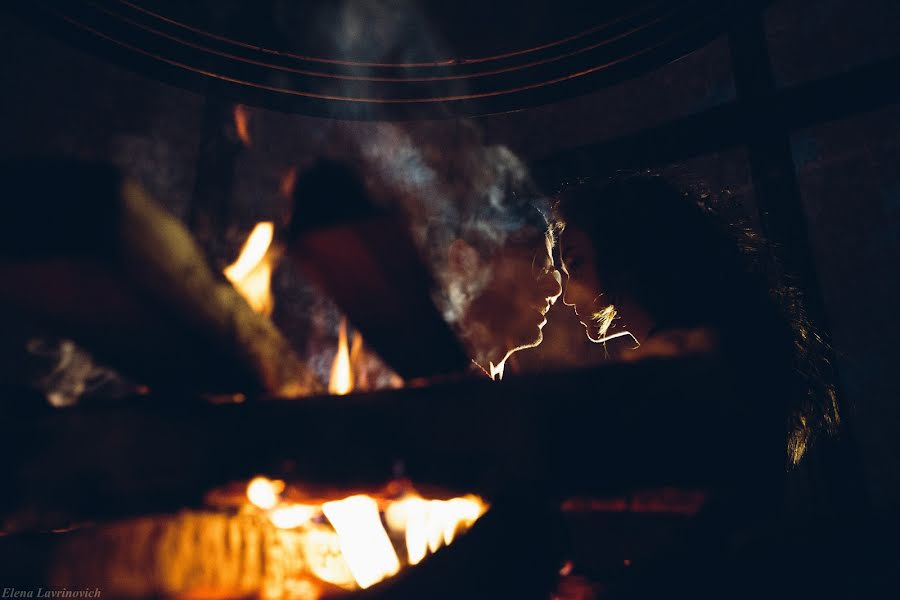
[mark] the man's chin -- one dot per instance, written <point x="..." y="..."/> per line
<point x="529" y="342"/>
<point x="535" y="341"/>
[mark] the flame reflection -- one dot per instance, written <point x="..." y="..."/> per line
<point x="241" y="124"/>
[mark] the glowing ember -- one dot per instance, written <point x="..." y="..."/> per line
<point x="241" y="123"/>
<point x="364" y="542"/>
<point x="341" y="380"/>
<point x="345" y="543"/>
<point x="251" y="273"/>
<point x="264" y="493"/>
<point x="322" y="552"/>
<point x="264" y="540"/>
<point x="292" y="516"/>
<point x="429" y="523"/>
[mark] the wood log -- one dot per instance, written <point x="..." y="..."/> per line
<point x="89" y="255"/>
<point x="514" y="548"/>
<point x="202" y="554"/>
<point x="596" y="432"/>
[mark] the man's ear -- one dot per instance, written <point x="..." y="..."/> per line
<point x="462" y="258"/>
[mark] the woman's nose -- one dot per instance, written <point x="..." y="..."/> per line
<point x="566" y="293"/>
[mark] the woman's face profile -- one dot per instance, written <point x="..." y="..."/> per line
<point x="594" y="305"/>
<point x="583" y="291"/>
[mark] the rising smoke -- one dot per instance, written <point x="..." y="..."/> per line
<point x="439" y="173"/>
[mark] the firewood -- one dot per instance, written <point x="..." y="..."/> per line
<point x="514" y="548"/>
<point x="652" y="424"/>
<point x="88" y="254"/>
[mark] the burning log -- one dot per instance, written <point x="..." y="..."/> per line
<point x="658" y="423"/>
<point x="514" y="547"/>
<point x="89" y="255"/>
<point x="268" y="540"/>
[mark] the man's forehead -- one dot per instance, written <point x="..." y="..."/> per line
<point x="530" y="244"/>
<point x="529" y="236"/>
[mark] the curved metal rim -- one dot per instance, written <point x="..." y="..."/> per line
<point x="566" y="67"/>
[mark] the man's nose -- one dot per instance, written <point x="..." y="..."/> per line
<point x="552" y="283"/>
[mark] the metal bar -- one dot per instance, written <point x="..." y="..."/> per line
<point x="862" y="89"/>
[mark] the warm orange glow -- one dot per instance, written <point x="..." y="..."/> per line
<point x="288" y="181"/>
<point x="341" y="380"/>
<point x="263" y="493"/>
<point x="322" y="551"/>
<point x="251" y="273"/>
<point x="364" y="543"/>
<point x="241" y="123"/>
<point x="292" y="516"/>
<point x="352" y="546"/>
<point x="430" y="523"/>
<point x="263" y="539"/>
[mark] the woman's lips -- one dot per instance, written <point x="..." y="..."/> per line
<point x="592" y="330"/>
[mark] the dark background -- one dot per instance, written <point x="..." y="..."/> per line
<point x="61" y="101"/>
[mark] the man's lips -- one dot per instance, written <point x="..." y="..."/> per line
<point x="542" y="312"/>
<point x="543" y="309"/>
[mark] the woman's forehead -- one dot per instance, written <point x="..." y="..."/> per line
<point x="573" y="239"/>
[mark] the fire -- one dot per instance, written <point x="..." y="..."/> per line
<point x="430" y="523"/>
<point x="241" y="123"/>
<point x="263" y="539"/>
<point x="363" y="541"/>
<point x="251" y="273"/>
<point x="292" y="516"/>
<point x="263" y="493"/>
<point x="347" y="543"/>
<point x="341" y="380"/>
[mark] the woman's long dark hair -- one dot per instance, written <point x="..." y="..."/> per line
<point x="676" y="257"/>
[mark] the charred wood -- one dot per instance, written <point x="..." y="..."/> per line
<point x="87" y="254"/>
<point x="603" y="431"/>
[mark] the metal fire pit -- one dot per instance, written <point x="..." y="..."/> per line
<point x="429" y="59"/>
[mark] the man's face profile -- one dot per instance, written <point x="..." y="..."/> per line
<point x="521" y="285"/>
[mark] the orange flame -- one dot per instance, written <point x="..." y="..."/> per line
<point x="251" y="273"/>
<point x="363" y="541"/>
<point x="355" y="548"/>
<point x="264" y="493"/>
<point x="241" y="120"/>
<point x="341" y="380"/>
<point x="428" y="524"/>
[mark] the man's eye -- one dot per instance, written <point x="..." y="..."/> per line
<point x="540" y="266"/>
<point x="541" y="271"/>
